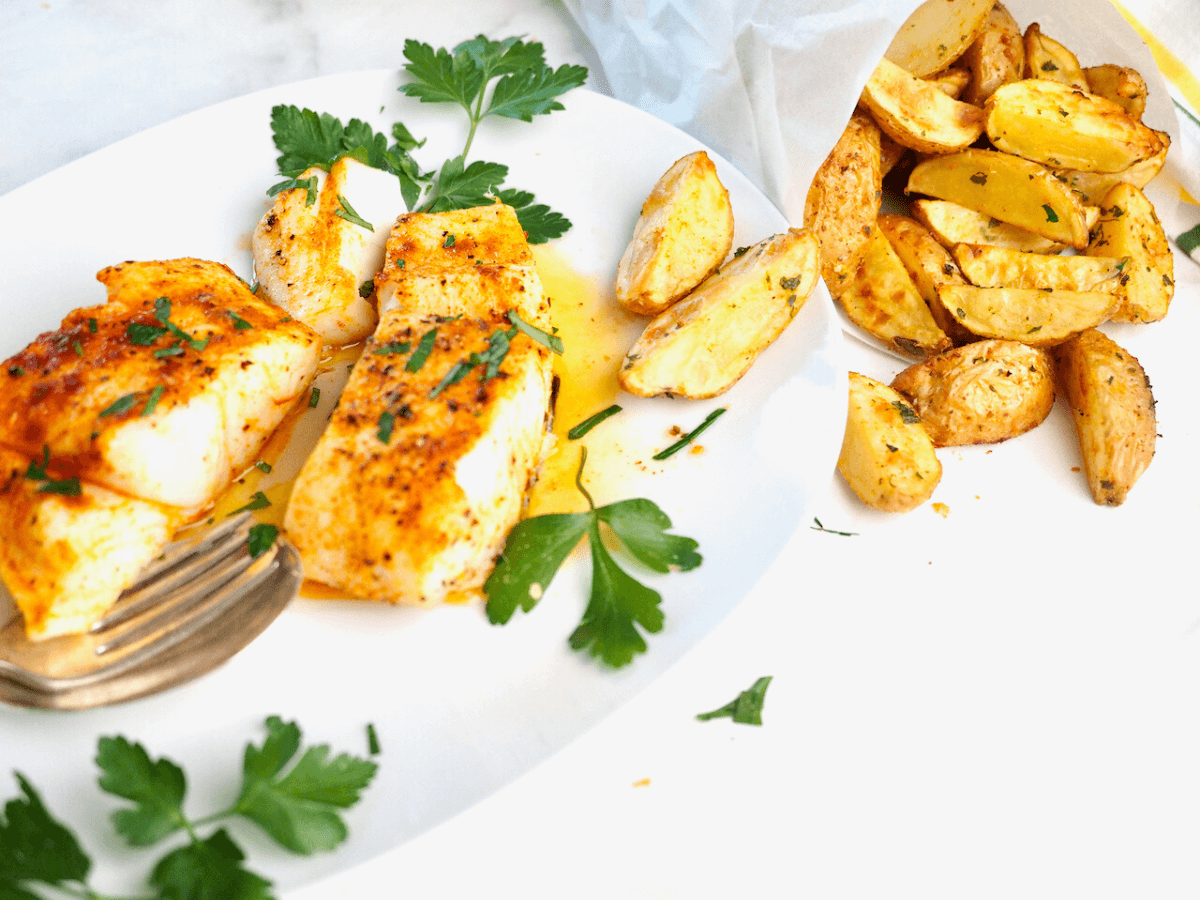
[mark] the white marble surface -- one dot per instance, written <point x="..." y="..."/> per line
<point x="1000" y="702"/>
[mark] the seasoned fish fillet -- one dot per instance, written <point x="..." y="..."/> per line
<point x="66" y="558"/>
<point x="164" y="392"/>
<point x="422" y="471"/>
<point x="314" y="258"/>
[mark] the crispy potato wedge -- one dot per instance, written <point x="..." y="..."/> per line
<point x="1122" y="85"/>
<point x="703" y="344"/>
<point x="986" y="266"/>
<point x="1046" y="58"/>
<point x="843" y="199"/>
<point x="682" y="236"/>
<point x="1114" y="413"/>
<point x="1006" y="187"/>
<point x="936" y="34"/>
<point x="1040" y="318"/>
<point x="1059" y="126"/>
<point x="887" y="457"/>
<point x="1092" y="186"/>
<point x="916" y="114"/>
<point x="883" y="301"/>
<point x="983" y="393"/>
<point x="952" y="224"/>
<point x="929" y="265"/>
<point x="951" y="82"/>
<point x="996" y="56"/>
<point x="1129" y="228"/>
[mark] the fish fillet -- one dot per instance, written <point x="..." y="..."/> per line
<point x="314" y="258"/>
<point x="127" y="421"/>
<point x="413" y="487"/>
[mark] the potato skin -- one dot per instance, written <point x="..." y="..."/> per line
<point x="843" y="200"/>
<point x="887" y="457"/>
<point x="996" y="57"/>
<point x="1114" y="413"/>
<point x="983" y="393"/>
<point x="1129" y="229"/>
<point x="683" y="234"/>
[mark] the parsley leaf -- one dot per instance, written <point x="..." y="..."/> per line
<point x="35" y="847"/>
<point x="260" y="539"/>
<point x="210" y="869"/>
<point x="258" y="500"/>
<point x="156" y="787"/>
<point x="553" y="341"/>
<point x="299" y="808"/>
<point x="461" y="186"/>
<point x="617" y="603"/>
<point x="746" y="709"/>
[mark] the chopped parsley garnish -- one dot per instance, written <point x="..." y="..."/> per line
<point x="258" y="500"/>
<point x="314" y="397"/>
<point x="692" y="435"/>
<point x="618" y="603"/>
<point x="908" y="415"/>
<point x="367" y="288"/>
<point x="238" y="322"/>
<point x="120" y="405"/>
<point x="37" y="471"/>
<point x="346" y="211"/>
<point x="746" y="709"/>
<point x="1189" y="240"/>
<point x="1051" y="215"/>
<point x="372" y="740"/>
<point x="15" y="371"/>
<point x="263" y="466"/>
<point x="392" y="348"/>
<point x="261" y="539"/>
<point x="387" y="421"/>
<point x="820" y="527"/>
<point x="591" y="422"/>
<point x="553" y="341"/>
<point x="421" y="354"/>
<point x="449" y="241"/>
<point x="93" y="326"/>
<point x="152" y="401"/>
<point x="308" y="184"/>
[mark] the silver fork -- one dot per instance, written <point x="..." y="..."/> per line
<point x="193" y="608"/>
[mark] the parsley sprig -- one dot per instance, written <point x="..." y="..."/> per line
<point x="507" y="78"/>
<point x="618" y="603"/>
<point x="297" y="802"/>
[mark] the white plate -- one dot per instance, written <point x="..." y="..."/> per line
<point x="460" y="707"/>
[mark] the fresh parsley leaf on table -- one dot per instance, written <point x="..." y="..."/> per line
<point x="618" y="603"/>
<point x="296" y="804"/>
<point x="746" y="708"/>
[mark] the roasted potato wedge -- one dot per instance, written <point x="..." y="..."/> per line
<point x="1114" y="413"/>
<point x="702" y="345"/>
<point x="1059" y="126"/>
<point x="917" y="114"/>
<point x="983" y="393"/>
<point x="1006" y="187"/>
<point x="987" y="266"/>
<point x="996" y="56"/>
<point x="1047" y="59"/>
<point x="882" y="300"/>
<point x="682" y="236"/>
<point x="843" y="200"/>
<point x="936" y="34"/>
<point x="1129" y="228"/>
<point x="887" y="457"/>
<point x="1120" y="84"/>
<point x="1092" y="186"/>
<point x="1040" y="318"/>
<point x="951" y="82"/>
<point x="929" y="265"/>
<point x="952" y="224"/>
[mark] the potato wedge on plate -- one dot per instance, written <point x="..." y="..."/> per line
<point x="929" y="265"/>
<point x="983" y="393"/>
<point x="917" y="114"/>
<point x="987" y="266"/>
<point x="1040" y="318"/>
<point x="702" y="345"/>
<point x="1006" y="187"/>
<point x="951" y="82"/>
<point x="996" y="56"/>
<point x="952" y="224"/>
<point x="1129" y="228"/>
<point x="843" y="199"/>
<point x="1114" y="413"/>
<point x="882" y="300"/>
<point x="682" y="236"/>
<point x="1060" y="126"/>
<point x="887" y="457"/>
<point x="1046" y="58"/>
<point x="936" y="34"/>
<point x="1120" y="84"/>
